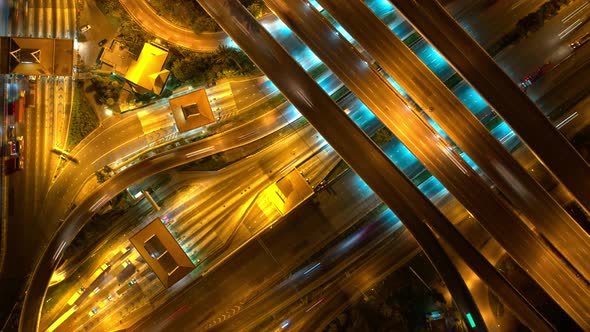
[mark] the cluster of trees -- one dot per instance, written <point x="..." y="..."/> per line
<point x="398" y="303"/>
<point x="107" y="89"/>
<point x="530" y="23"/>
<point x="83" y="119"/>
<point x="256" y="7"/>
<point x="129" y="32"/>
<point x="103" y="174"/>
<point x="382" y="136"/>
<point x="191" y="15"/>
<point x="207" y="67"/>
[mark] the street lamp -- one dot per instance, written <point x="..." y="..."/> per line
<point x="108" y="112"/>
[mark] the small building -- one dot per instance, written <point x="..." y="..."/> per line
<point x="116" y="58"/>
<point x="191" y="110"/>
<point x="36" y="56"/>
<point x="147" y="73"/>
<point x="162" y="253"/>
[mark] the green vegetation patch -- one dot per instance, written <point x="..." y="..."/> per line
<point x="83" y="119"/>
<point x="400" y="302"/>
<point x="382" y="136"/>
<point x="189" y="14"/>
<point x="107" y="88"/>
<point x="198" y="68"/>
<point x="452" y="81"/>
<point x="342" y="92"/>
<point x="412" y="39"/>
<point x="528" y="24"/>
<point x="130" y="33"/>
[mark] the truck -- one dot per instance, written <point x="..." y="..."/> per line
<point x="20" y="115"/>
<point x="76" y="295"/>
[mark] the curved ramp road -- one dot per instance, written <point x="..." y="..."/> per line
<point x="388" y="181"/>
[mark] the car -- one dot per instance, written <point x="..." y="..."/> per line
<point x="11" y="132"/>
<point x="11" y="148"/>
<point x="102" y="42"/>
<point x="132" y="282"/>
<point x="580" y="42"/>
<point x="92" y="312"/>
<point x="86" y="28"/>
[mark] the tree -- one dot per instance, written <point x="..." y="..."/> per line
<point x="255" y="9"/>
<point x="103" y="174"/>
<point x="107" y="89"/>
<point x="382" y="136"/>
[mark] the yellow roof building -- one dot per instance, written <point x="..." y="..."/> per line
<point x="147" y="71"/>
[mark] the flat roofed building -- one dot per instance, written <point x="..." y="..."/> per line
<point x="191" y="110"/>
<point x="146" y="74"/>
<point x="162" y="253"/>
<point x="36" y="56"/>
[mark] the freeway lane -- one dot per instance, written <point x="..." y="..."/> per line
<point x="347" y="139"/>
<point x="372" y="89"/>
<point x="383" y="177"/>
<point x="502" y="94"/>
<point x="205" y="301"/>
<point x="68" y="230"/>
<point x="463" y="127"/>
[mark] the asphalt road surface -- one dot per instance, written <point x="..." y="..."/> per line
<point x="503" y="95"/>
<point x="183" y="315"/>
<point x="157" y="25"/>
<point x="464" y="129"/>
<point x="379" y="177"/>
<point x="345" y="137"/>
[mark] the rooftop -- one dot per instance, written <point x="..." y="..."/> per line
<point x="36" y="56"/>
<point x="162" y="253"/>
<point x="191" y="110"/>
<point x="147" y="71"/>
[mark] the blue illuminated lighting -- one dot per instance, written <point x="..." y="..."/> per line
<point x="231" y="43"/>
<point x="316" y="5"/>
<point x="380" y="7"/>
<point x="472" y="100"/>
<point x="344" y="33"/>
<point x="433" y="60"/>
<point x="285" y="324"/>
<point x="469" y="161"/>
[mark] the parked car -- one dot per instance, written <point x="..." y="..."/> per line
<point x="85" y="28"/>
<point x="102" y="42"/>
